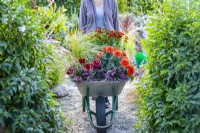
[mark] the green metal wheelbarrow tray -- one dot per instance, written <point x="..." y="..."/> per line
<point x="100" y="89"/>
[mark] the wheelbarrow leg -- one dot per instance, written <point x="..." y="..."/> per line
<point x="100" y="113"/>
<point x="115" y="102"/>
<point x="85" y="99"/>
<point x="83" y="103"/>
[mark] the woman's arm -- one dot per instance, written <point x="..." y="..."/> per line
<point x="82" y="17"/>
<point x="115" y="16"/>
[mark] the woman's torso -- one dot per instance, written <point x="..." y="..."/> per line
<point x="99" y="6"/>
<point x="107" y="10"/>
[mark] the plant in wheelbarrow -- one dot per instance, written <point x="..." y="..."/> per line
<point x="110" y="65"/>
<point x="104" y="75"/>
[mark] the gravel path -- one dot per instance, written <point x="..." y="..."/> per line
<point x="124" y="119"/>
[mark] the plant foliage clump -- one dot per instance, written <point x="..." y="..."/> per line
<point x="170" y="92"/>
<point x="143" y="6"/>
<point x="72" y="6"/>
<point x="26" y="101"/>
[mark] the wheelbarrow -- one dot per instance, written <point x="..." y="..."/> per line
<point x="100" y="89"/>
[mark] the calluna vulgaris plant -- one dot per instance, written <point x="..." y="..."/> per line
<point x="110" y="64"/>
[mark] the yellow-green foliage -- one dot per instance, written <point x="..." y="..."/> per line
<point x="54" y="20"/>
<point x="122" y="5"/>
<point x="79" y="46"/>
<point x="130" y="47"/>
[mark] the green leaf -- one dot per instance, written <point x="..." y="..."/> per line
<point x="3" y="44"/>
<point x="30" y="129"/>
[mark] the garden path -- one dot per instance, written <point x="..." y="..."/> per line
<point x="124" y="119"/>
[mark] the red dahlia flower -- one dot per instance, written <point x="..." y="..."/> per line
<point x="117" y="53"/>
<point x="96" y="63"/>
<point x="69" y="71"/>
<point x="82" y="60"/>
<point x="130" y="70"/>
<point x="88" y="67"/>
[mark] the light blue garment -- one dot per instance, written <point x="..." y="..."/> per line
<point x="99" y="17"/>
<point x="87" y="18"/>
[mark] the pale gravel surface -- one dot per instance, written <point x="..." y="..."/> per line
<point x="124" y="119"/>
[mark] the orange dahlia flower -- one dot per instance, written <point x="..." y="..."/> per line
<point x="104" y="49"/>
<point x="124" y="62"/>
<point x="130" y="70"/>
<point x="117" y="53"/>
<point x="109" y="49"/>
<point x="99" y="54"/>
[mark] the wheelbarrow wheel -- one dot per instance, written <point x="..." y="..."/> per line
<point x="100" y="113"/>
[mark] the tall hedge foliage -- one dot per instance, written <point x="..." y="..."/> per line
<point x="72" y="6"/>
<point x="170" y="91"/>
<point x="122" y="5"/>
<point x="143" y="6"/>
<point x="26" y="103"/>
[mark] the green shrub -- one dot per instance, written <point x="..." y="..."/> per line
<point x="72" y="24"/>
<point x="56" y="70"/>
<point x="41" y="2"/>
<point x="72" y="6"/>
<point x="170" y="91"/>
<point x="54" y="21"/>
<point x="122" y="5"/>
<point x="26" y="101"/>
<point x="143" y="6"/>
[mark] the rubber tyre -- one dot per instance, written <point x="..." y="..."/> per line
<point x="100" y="113"/>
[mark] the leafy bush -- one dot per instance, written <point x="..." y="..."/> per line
<point x="72" y="6"/>
<point x="143" y="6"/>
<point x="26" y="102"/>
<point x="122" y="5"/>
<point x="56" y="69"/>
<point x="170" y="92"/>
<point x="54" y="20"/>
<point x="72" y="24"/>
